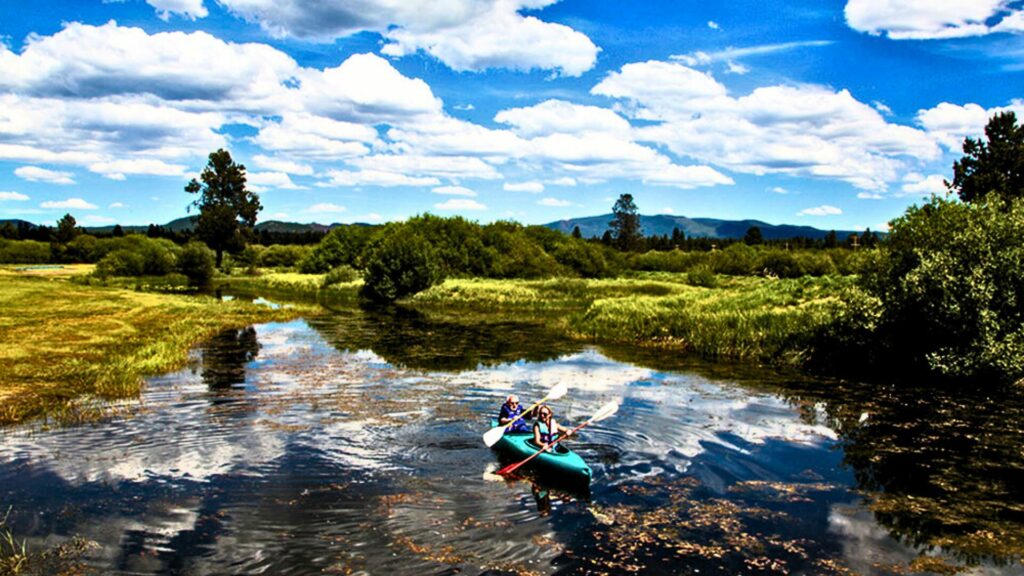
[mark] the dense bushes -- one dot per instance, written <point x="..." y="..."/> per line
<point x="399" y="264"/>
<point x="24" y="252"/>
<point x="196" y="261"/>
<point x="952" y="287"/>
<point x="743" y="260"/>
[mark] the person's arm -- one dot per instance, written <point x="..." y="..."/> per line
<point x="536" y="434"/>
<point x="503" y="415"/>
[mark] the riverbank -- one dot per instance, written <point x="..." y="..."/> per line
<point x="740" y="318"/>
<point x="63" y="344"/>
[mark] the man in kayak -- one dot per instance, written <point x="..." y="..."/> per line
<point x="545" y="429"/>
<point x="511" y="410"/>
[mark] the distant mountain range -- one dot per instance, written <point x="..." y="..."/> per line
<point x="661" y="224"/>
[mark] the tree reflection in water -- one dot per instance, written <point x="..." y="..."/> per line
<point x="940" y="468"/>
<point x="225" y="356"/>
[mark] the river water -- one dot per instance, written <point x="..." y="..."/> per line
<point x="350" y="444"/>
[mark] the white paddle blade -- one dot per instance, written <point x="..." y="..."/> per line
<point x="560" y="389"/>
<point x="492" y="436"/>
<point x="606" y="411"/>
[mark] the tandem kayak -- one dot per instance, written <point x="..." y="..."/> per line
<point x="560" y="465"/>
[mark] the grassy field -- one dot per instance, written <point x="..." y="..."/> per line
<point x="63" y="343"/>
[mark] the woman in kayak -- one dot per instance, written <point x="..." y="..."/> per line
<point x="511" y="410"/>
<point x="545" y="429"/>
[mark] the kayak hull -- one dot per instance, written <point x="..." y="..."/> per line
<point x="560" y="465"/>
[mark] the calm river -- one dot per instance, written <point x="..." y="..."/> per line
<point x="351" y="444"/>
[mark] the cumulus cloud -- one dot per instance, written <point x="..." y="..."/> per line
<point x="915" y="183"/>
<point x="70" y="203"/>
<point x="531" y="187"/>
<point x="374" y="178"/>
<point x="464" y="34"/>
<point x="951" y="123"/>
<point x="190" y="9"/>
<point x="931" y="19"/>
<point x="454" y="191"/>
<point x="823" y="210"/>
<point x="553" y="202"/>
<point x="37" y="174"/>
<point x="564" y="181"/>
<point x="798" y="130"/>
<point x="262" y="181"/>
<point x="281" y="165"/>
<point x="117" y="169"/>
<point x="460" y="204"/>
<point x="326" y="208"/>
<point x="12" y="196"/>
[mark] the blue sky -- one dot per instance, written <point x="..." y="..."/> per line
<point x="835" y="114"/>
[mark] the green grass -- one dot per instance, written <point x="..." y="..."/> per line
<point x="63" y="345"/>
<point x="741" y="318"/>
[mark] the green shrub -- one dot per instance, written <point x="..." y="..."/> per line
<point x="585" y="259"/>
<point x="197" y="263"/>
<point x="342" y="245"/>
<point x="24" y="252"/>
<point x="669" y="261"/>
<point x="952" y="284"/>
<point x="736" y="260"/>
<point x="781" y="264"/>
<point x="402" y="263"/>
<point x="702" y="276"/>
<point x="340" y="275"/>
<point x="283" y="256"/>
<point x="121" y="263"/>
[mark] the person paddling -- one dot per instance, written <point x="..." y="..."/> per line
<point x="545" y="429"/>
<point x="511" y="410"/>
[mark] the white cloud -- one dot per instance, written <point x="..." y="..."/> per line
<point x="12" y="196"/>
<point x="454" y="191"/>
<point x="281" y="165"/>
<point x="798" y="130"/>
<point x="424" y="166"/>
<point x="117" y="169"/>
<point x="914" y="183"/>
<point x="668" y="210"/>
<point x="736" y="68"/>
<point x="116" y="205"/>
<point x="561" y="117"/>
<point x="374" y="178"/>
<point x="70" y="203"/>
<point x="554" y="202"/>
<point x="262" y="181"/>
<point x="460" y="204"/>
<point x="951" y="123"/>
<point x="190" y="9"/>
<point x="870" y="196"/>
<point x="779" y="190"/>
<point x="713" y="25"/>
<point x="823" y="210"/>
<point x="326" y="208"/>
<point x="37" y="174"/>
<point x="881" y="107"/>
<point x="531" y="187"/>
<point x="932" y="19"/>
<point x="464" y="34"/>
<point x="565" y="181"/>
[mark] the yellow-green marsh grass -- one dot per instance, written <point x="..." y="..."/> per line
<point x="304" y="286"/>
<point x="746" y="317"/>
<point x="63" y="343"/>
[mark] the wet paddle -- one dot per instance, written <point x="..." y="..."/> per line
<point x="604" y="412"/>
<point x="492" y="436"/>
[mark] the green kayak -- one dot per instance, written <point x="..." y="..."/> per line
<point x="559" y="465"/>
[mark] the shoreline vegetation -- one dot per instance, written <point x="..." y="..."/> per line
<point x="67" y="350"/>
<point x="768" y="320"/>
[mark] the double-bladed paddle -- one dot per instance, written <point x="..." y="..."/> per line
<point x="492" y="436"/>
<point x="604" y="412"/>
